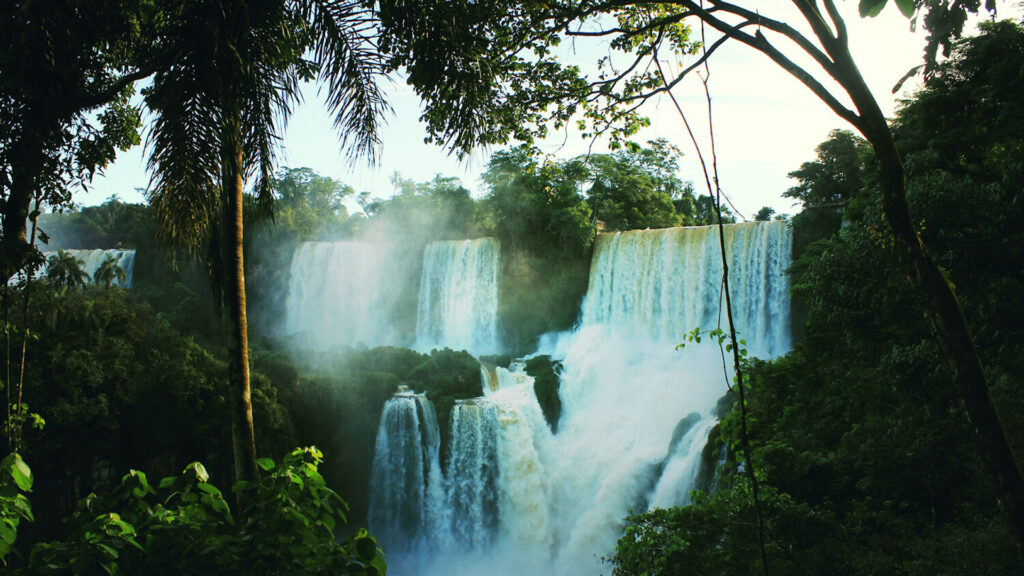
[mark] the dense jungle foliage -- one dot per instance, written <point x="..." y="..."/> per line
<point x="861" y="444"/>
<point x="131" y="379"/>
<point x="864" y="454"/>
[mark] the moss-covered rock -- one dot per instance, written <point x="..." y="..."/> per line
<point x="545" y="372"/>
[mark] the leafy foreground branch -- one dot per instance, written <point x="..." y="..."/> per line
<point x="286" y="524"/>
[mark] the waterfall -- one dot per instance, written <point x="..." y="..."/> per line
<point x="472" y="474"/>
<point x="341" y="294"/>
<point x="406" y="495"/>
<point x="664" y="283"/>
<point x="636" y="411"/>
<point x="458" y="299"/>
<point x="91" y="260"/>
<point x="680" y="474"/>
<point x="524" y="505"/>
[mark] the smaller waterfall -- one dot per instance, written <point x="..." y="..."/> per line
<point x="680" y="474"/>
<point x="340" y="294"/>
<point x="92" y="260"/>
<point x="458" y="299"/>
<point x="473" y="473"/>
<point x="514" y="376"/>
<point x="489" y="378"/>
<point x="523" y="485"/>
<point x="407" y="496"/>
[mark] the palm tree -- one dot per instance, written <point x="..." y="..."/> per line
<point x="228" y="75"/>
<point x="109" y="273"/>
<point x="65" y="271"/>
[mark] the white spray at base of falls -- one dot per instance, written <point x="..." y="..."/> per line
<point x="458" y="298"/>
<point x="561" y="498"/>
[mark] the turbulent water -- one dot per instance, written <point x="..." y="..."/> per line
<point x="635" y="411"/>
<point x="458" y="298"/>
<point x="91" y="260"/>
<point x="341" y="294"/>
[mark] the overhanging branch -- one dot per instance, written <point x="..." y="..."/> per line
<point x="760" y="43"/>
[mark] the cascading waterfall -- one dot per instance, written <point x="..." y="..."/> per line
<point x="664" y="283"/>
<point x="680" y="474"/>
<point x="458" y="299"/>
<point x="340" y="294"/>
<point x="473" y="474"/>
<point x="92" y="260"/>
<point x="407" y="491"/>
<point x="636" y="412"/>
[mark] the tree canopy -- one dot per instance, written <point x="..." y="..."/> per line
<point x="865" y="457"/>
<point x="67" y="72"/>
<point x="639" y="188"/>
<point x="835" y="176"/>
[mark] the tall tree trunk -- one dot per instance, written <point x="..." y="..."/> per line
<point x="942" y="306"/>
<point x="26" y="159"/>
<point x="243" y="439"/>
<point x="951" y="327"/>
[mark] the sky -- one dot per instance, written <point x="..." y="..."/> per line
<point x="765" y="123"/>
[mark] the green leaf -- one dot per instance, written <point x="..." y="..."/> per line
<point x="243" y="485"/>
<point x="266" y="464"/>
<point x="366" y="547"/>
<point x="871" y="8"/>
<point x="199" y="470"/>
<point x="209" y="489"/>
<point x="906" y="7"/>
<point x="110" y="551"/>
<point x="21" y="473"/>
<point x="8" y="531"/>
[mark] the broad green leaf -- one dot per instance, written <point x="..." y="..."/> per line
<point x="243" y="485"/>
<point x="906" y="7"/>
<point x="366" y="547"/>
<point x="209" y="489"/>
<point x="266" y="464"/>
<point x="871" y="8"/>
<point x="21" y="473"/>
<point x="8" y="531"/>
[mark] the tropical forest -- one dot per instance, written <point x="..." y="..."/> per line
<point x="589" y="361"/>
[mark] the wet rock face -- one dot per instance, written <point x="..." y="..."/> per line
<point x="545" y="372"/>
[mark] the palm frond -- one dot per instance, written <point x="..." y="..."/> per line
<point x="184" y="142"/>
<point x="352" y="68"/>
<point x="273" y="93"/>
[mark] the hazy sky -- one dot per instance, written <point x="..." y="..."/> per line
<point x="766" y="123"/>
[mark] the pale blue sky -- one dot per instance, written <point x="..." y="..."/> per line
<point x="766" y="125"/>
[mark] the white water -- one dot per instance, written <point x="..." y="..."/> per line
<point x="458" y="298"/>
<point x="663" y="283"/>
<point x="561" y="498"/>
<point x="341" y="294"/>
<point x="91" y="260"/>
<point x="406" y="461"/>
<point x="680" y="474"/>
<point x="472" y="476"/>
